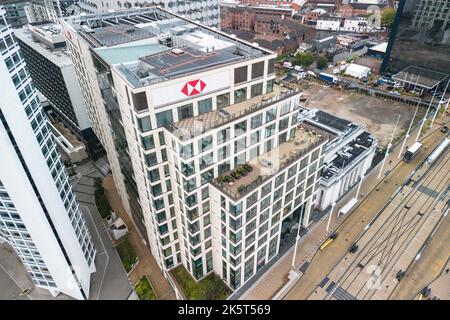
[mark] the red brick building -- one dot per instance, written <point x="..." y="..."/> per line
<point x="237" y="18"/>
<point x="357" y="9"/>
<point x="293" y="29"/>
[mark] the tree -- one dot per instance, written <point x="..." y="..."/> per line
<point x="322" y="62"/>
<point x="387" y="17"/>
<point x="304" y="59"/>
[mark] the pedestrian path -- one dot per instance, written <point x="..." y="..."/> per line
<point x="147" y="264"/>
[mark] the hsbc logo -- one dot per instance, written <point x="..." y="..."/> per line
<point x="193" y="87"/>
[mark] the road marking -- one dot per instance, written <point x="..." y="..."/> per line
<point x="103" y="245"/>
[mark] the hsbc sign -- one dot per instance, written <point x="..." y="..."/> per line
<point x="186" y="89"/>
<point x="193" y="87"/>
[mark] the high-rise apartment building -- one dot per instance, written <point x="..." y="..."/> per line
<point x="205" y="11"/>
<point x="43" y="46"/>
<point x="43" y="10"/>
<point x="39" y="215"/>
<point x="206" y="150"/>
<point x="420" y="37"/>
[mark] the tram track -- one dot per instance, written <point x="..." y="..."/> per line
<point x="397" y="226"/>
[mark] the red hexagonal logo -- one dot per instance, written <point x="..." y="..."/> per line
<point x="193" y="87"/>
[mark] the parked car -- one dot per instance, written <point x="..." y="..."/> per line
<point x="396" y="93"/>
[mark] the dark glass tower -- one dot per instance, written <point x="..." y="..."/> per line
<point x="420" y="36"/>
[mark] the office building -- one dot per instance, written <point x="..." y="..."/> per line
<point x="39" y="215"/>
<point x="15" y="12"/>
<point x="43" y="10"/>
<point x="420" y="37"/>
<point x="44" y="48"/>
<point x="205" y="149"/>
<point x="205" y="11"/>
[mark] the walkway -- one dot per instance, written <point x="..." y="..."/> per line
<point x="147" y="264"/>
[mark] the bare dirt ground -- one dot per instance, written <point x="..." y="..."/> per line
<point x="378" y="116"/>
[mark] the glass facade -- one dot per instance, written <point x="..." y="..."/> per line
<point x="420" y="37"/>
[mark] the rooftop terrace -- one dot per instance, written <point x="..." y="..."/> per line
<point x="195" y="126"/>
<point x="260" y="169"/>
<point x="157" y="33"/>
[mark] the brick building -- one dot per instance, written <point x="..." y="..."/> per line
<point x="284" y="27"/>
<point x="237" y="18"/>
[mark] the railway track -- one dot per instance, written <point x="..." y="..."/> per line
<point x="384" y="247"/>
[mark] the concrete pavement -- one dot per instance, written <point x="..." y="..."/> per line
<point x="109" y="282"/>
<point x="392" y="241"/>
<point x="429" y="269"/>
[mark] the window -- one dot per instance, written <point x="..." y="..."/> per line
<point x="271" y="114"/>
<point x="185" y="111"/>
<point x="148" y="142"/>
<point x="205" y="144"/>
<point x="186" y="152"/>
<point x="270" y="130"/>
<point x="279" y="180"/>
<point x="271" y="66"/>
<point x="269" y="86"/>
<point x="240" y="128"/>
<point x="283" y="123"/>
<point x="258" y="70"/>
<point x="285" y="107"/>
<point x="164" y="118"/>
<point x="223" y="100"/>
<point x="153" y="175"/>
<point x="223" y="152"/>
<point x="144" y="124"/>
<point x="187" y="168"/>
<point x="256" y="90"/>
<point x="249" y="268"/>
<point x="254" y="137"/>
<point x="223" y="135"/>
<point x="156" y="190"/>
<point x="240" y="74"/>
<point x="252" y="199"/>
<point x="239" y="145"/>
<point x="240" y="95"/>
<point x="256" y="121"/>
<point x="163" y="229"/>
<point x="206" y="160"/>
<point x="139" y="101"/>
<point x="205" y="106"/>
<point x="150" y="159"/>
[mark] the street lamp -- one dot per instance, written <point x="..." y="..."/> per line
<point x="388" y="147"/>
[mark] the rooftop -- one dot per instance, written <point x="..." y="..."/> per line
<point x="265" y="166"/>
<point x="420" y="76"/>
<point x="47" y="39"/>
<point x="347" y="156"/>
<point x="195" y="126"/>
<point x="140" y="43"/>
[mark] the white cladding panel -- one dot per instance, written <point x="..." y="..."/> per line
<point x="173" y="93"/>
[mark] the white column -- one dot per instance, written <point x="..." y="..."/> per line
<point x="331" y="214"/>
<point x="388" y="148"/>
<point x="409" y="129"/>
<point x="439" y="104"/>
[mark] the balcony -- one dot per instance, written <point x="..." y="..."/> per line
<point x="194" y="126"/>
<point x="246" y="178"/>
